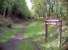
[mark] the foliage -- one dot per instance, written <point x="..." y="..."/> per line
<point x="7" y="7"/>
<point x="51" y="8"/>
<point x="23" y="7"/>
<point x="39" y="7"/>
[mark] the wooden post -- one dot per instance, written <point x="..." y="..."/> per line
<point x="46" y="30"/>
<point x="60" y="33"/>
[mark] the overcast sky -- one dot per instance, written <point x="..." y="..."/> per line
<point x="29" y="4"/>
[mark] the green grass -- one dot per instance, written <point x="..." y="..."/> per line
<point x="8" y="34"/>
<point x="34" y="29"/>
<point x="26" y="45"/>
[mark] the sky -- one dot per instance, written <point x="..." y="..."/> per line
<point x="29" y="4"/>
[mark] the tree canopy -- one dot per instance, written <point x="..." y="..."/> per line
<point x="55" y="7"/>
<point x="39" y="7"/>
<point x="9" y="6"/>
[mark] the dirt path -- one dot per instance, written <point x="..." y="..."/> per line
<point x="16" y="40"/>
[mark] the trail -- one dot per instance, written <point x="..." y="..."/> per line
<point x="19" y="39"/>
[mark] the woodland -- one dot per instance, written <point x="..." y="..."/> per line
<point x="22" y="28"/>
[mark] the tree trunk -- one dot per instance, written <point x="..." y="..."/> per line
<point x="4" y="12"/>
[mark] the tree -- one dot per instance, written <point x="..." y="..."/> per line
<point x="8" y="6"/>
<point x="23" y="8"/>
<point x="39" y="7"/>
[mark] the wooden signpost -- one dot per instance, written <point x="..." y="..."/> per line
<point x="53" y="22"/>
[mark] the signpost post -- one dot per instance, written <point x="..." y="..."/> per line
<point x="53" y="22"/>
